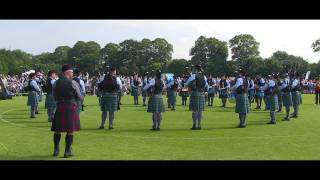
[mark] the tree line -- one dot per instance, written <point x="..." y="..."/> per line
<point x="132" y="56"/>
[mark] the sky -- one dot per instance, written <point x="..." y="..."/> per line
<point x="38" y="36"/>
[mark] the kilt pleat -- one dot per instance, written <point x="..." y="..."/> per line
<point x="274" y="103"/>
<point x="33" y="99"/>
<point x="155" y="103"/>
<point x="109" y="102"/>
<point x="50" y="102"/>
<point x="296" y="101"/>
<point x="135" y="92"/>
<point x="197" y="101"/>
<point x="242" y="103"/>
<point x="252" y="93"/>
<point x="259" y="94"/>
<point x="279" y="97"/>
<point x="223" y="93"/>
<point x="172" y="94"/>
<point x="66" y="118"/>
<point x="287" y="99"/>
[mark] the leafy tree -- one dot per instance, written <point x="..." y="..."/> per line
<point x="243" y="47"/>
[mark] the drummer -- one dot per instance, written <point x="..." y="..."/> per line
<point x="184" y="92"/>
<point x="223" y="90"/>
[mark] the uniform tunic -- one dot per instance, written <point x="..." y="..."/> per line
<point x="50" y="102"/>
<point x="155" y="102"/>
<point x="251" y="90"/>
<point x="135" y="88"/>
<point x="296" y="101"/>
<point x="66" y="118"/>
<point x="172" y="93"/>
<point x="33" y="96"/>
<point x="223" y="89"/>
<point x="109" y="100"/>
<point x="197" y="97"/>
<point x="259" y="91"/>
<point x="242" y="100"/>
<point x="286" y="94"/>
<point x="269" y="88"/>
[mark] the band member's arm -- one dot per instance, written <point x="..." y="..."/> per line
<point x="265" y="87"/>
<point x="295" y="83"/>
<point x="77" y="91"/>
<point x="191" y="78"/>
<point x="83" y="87"/>
<point x="252" y="85"/>
<point x="132" y="84"/>
<point x="119" y="82"/>
<point x="152" y="82"/>
<point x="35" y="85"/>
<point x="206" y="85"/>
<point x="239" y="82"/>
<point x="53" y="91"/>
<point x="170" y="84"/>
<point x="283" y="85"/>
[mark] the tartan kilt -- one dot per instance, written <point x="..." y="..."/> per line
<point x="172" y="95"/>
<point x="197" y="101"/>
<point x="259" y="94"/>
<point x="279" y="97"/>
<point x="296" y="98"/>
<point x="274" y="105"/>
<point x="109" y="102"/>
<point x="66" y="118"/>
<point x="287" y="99"/>
<point x="211" y="92"/>
<point x="144" y="93"/>
<point x="267" y="101"/>
<point x="155" y="103"/>
<point x="223" y="93"/>
<point x="134" y="92"/>
<point x="50" y="102"/>
<point x="33" y="99"/>
<point x="40" y="97"/>
<point x="242" y="103"/>
<point x="120" y="93"/>
<point x="251" y="93"/>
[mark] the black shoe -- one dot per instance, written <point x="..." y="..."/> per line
<point x="153" y="129"/>
<point x="37" y="113"/>
<point x="157" y="129"/>
<point x="101" y="127"/>
<point x="68" y="154"/>
<point x="193" y="128"/>
<point x="111" y="127"/>
<point x="56" y="152"/>
<point x="69" y="141"/>
<point x="286" y="119"/>
<point x="199" y="128"/>
<point x="271" y="122"/>
<point x="241" y="126"/>
<point x="32" y="117"/>
<point x="294" y="116"/>
<point x="56" y="141"/>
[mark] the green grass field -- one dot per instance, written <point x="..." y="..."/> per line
<point x="22" y="138"/>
